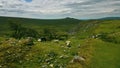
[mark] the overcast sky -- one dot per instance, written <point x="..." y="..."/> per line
<point x="80" y="9"/>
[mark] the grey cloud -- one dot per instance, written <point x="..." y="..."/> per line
<point x="61" y="8"/>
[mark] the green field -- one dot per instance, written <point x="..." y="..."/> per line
<point x="96" y="41"/>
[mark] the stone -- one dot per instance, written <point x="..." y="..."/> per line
<point x="56" y="41"/>
<point x="0" y="66"/>
<point x="82" y="59"/>
<point x="61" y="56"/>
<point x="51" y="65"/>
<point x="77" y="59"/>
<point x="39" y="40"/>
<point x="68" y="43"/>
<point x="44" y="66"/>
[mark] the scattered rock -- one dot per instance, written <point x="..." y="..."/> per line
<point x="63" y="56"/>
<point x="0" y="66"/>
<point x="56" y="41"/>
<point x="77" y="59"/>
<point x="44" y="66"/>
<point x="82" y="59"/>
<point x="29" y="41"/>
<point x="39" y="40"/>
<point x="51" y="65"/>
<point x="67" y="43"/>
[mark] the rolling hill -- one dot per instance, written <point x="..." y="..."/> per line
<point x="64" y="24"/>
<point x="97" y="42"/>
<point x="110" y="18"/>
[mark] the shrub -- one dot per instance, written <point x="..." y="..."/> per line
<point x="21" y="32"/>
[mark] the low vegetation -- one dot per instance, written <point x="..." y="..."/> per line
<point x="92" y="43"/>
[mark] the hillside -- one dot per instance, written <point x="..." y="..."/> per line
<point x="110" y="18"/>
<point x="93" y="44"/>
<point x="103" y="40"/>
<point x="64" y="24"/>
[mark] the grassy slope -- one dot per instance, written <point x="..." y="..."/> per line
<point x="97" y="53"/>
<point x="38" y="24"/>
<point x="100" y="54"/>
<point x="106" y="54"/>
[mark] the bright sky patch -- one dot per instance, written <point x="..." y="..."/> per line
<point x="28" y="0"/>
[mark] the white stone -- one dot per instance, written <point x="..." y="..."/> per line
<point x="68" y="43"/>
<point x="56" y="40"/>
<point x="81" y="58"/>
<point x="0" y="66"/>
<point x="39" y="40"/>
<point x="51" y="65"/>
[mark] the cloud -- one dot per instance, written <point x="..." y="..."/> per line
<point x="60" y="8"/>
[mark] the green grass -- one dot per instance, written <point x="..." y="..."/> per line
<point x="106" y="55"/>
<point x="98" y="52"/>
<point x="63" y="25"/>
<point x="108" y="27"/>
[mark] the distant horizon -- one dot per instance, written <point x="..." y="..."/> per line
<point x="57" y="18"/>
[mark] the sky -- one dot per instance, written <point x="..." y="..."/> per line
<point x="52" y="9"/>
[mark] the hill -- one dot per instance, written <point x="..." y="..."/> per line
<point x="64" y="24"/>
<point x="93" y="44"/>
<point x="102" y="37"/>
<point x="110" y="18"/>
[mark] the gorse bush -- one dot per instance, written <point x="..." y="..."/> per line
<point x="114" y="37"/>
<point x="20" y="32"/>
<point x="52" y="33"/>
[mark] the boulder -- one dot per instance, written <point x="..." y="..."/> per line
<point x="77" y="58"/>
